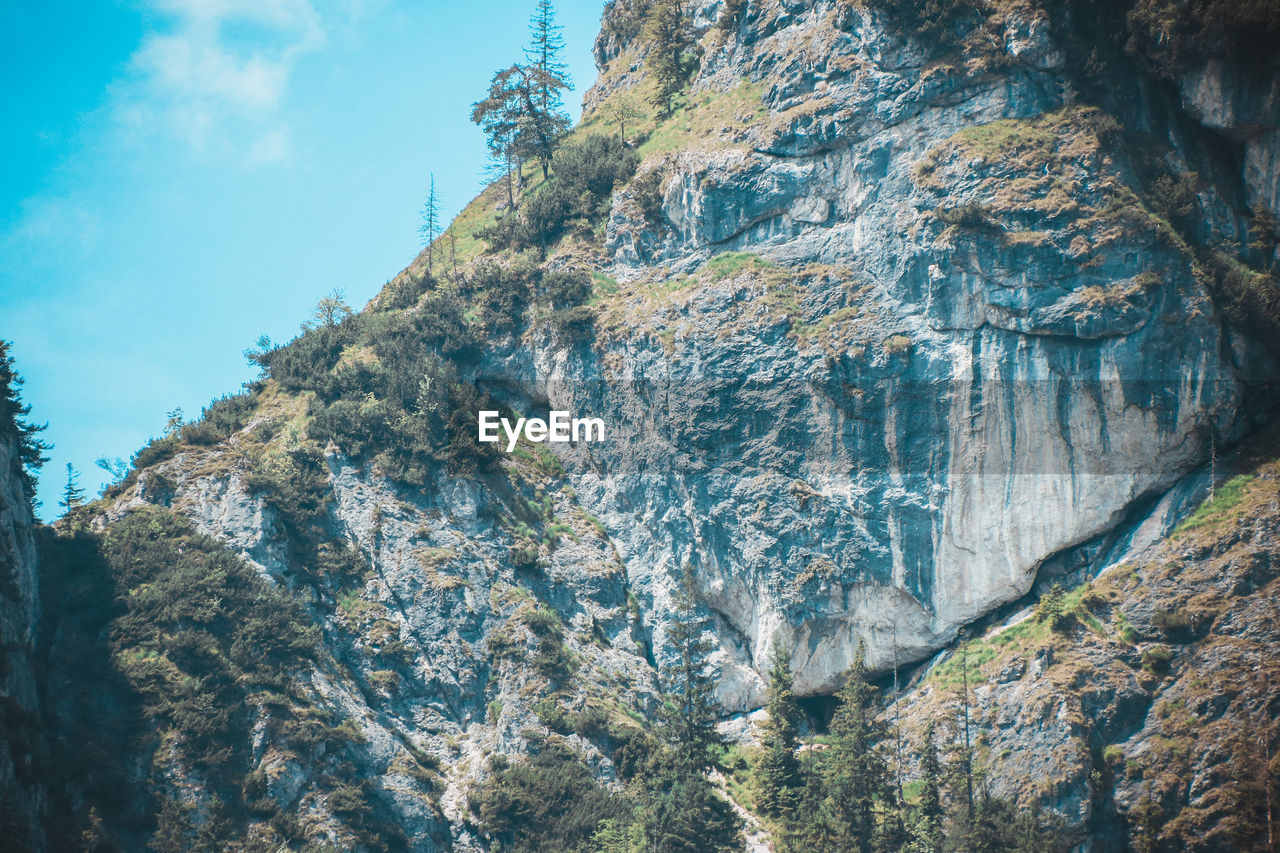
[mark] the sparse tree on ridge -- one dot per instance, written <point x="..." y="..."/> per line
<point x="518" y="118"/>
<point x="332" y="309"/>
<point x="622" y="108"/>
<point x="499" y="117"/>
<point x="430" y="229"/>
<point x="543" y="53"/>
<point x="260" y="353"/>
<point x="173" y="421"/>
<point x="115" y="467"/>
<point x="72" y="494"/>
<point x="13" y="413"/>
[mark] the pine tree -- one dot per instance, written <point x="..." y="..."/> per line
<point x="1146" y="819"/>
<point x="499" y="117"/>
<point x="668" y="31"/>
<point x="685" y="813"/>
<point x="926" y="830"/>
<point x="688" y="717"/>
<point x="543" y="53"/>
<point x="430" y="229"/>
<point x="1252" y="788"/>
<point x="855" y="773"/>
<point x="1263" y="234"/>
<point x="778" y="774"/>
<point x="173" y="421"/>
<point x="453" y="251"/>
<point x="13" y="424"/>
<point x="72" y="494"/>
<point x="1052" y="606"/>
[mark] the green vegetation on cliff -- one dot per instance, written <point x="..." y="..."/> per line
<point x="172" y="647"/>
<point x="15" y="427"/>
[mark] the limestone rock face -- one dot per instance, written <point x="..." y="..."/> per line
<point x="439" y="588"/>
<point x="22" y="796"/>
<point x="984" y="348"/>
<point x="1245" y="107"/>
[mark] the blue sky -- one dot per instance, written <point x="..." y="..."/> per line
<point x="182" y="176"/>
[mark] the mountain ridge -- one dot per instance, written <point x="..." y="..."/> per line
<point x="860" y="308"/>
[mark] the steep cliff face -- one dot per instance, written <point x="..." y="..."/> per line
<point x="965" y="317"/>
<point x="22" y="794"/>
<point x="881" y="331"/>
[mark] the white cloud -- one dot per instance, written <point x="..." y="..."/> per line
<point x="49" y="220"/>
<point x="215" y="74"/>
<point x="271" y="147"/>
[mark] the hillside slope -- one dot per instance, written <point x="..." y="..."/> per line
<point x="887" y="320"/>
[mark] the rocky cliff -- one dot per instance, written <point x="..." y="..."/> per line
<point x="888" y="323"/>
<point x="22" y="794"/>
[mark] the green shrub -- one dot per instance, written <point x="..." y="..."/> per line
<point x="1156" y="659"/>
<point x="572" y="323"/>
<point x="166" y="633"/>
<point x="502" y="292"/>
<point x="646" y="190"/>
<point x="553" y="715"/>
<point x="1226" y="498"/>
<point x="524" y="556"/>
<point x="155" y="451"/>
<point x="583" y="175"/>
<point x="566" y="288"/>
<point x="224" y="417"/>
<point x="543" y="622"/>
<point x="548" y="802"/>
<point x="1051" y="609"/>
<point x="407" y="291"/>
<point x="968" y="215"/>
<point x="1171" y="35"/>
<point x="384" y="680"/>
<point x="1171" y="622"/>
<point x="297" y="484"/>
<point x="940" y="25"/>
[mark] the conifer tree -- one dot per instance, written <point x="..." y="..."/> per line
<point x="513" y="118"/>
<point x="668" y="31"/>
<point x="853" y="768"/>
<point x="685" y="813"/>
<point x="689" y="717"/>
<point x="13" y="423"/>
<point x="430" y="229"/>
<point x="926" y="830"/>
<point x="1052" y="606"/>
<point x="72" y="494"/>
<point x="1253" y="787"/>
<point x="778" y="774"/>
<point x="543" y="53"/>
<point x="498" y="116"/>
